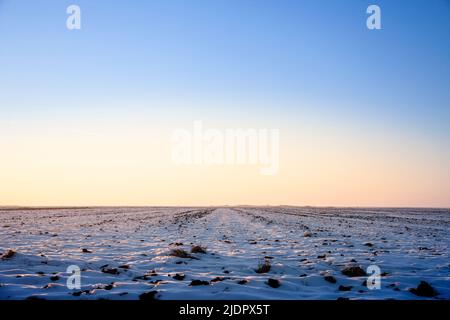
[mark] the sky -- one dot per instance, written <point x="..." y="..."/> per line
<point x="86" y="116"/>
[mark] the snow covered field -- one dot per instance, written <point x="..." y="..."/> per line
<point x="126" y="252"/>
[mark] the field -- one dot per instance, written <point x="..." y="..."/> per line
<point x="224" y="253"/>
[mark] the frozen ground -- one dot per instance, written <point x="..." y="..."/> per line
<point x="128" y="252"/>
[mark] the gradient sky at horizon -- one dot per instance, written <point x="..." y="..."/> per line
<point x="86" y="116"/>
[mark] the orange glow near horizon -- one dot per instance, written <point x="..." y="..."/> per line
<point x="124" y="164"/>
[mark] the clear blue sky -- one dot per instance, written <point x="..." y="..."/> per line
<point x="318" y="52"/>
<point x="289" y="62"/>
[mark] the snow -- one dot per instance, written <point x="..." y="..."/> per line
<point x="409" y="245"/>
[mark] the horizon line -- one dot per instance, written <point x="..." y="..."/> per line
<point x="42" y="207"/>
